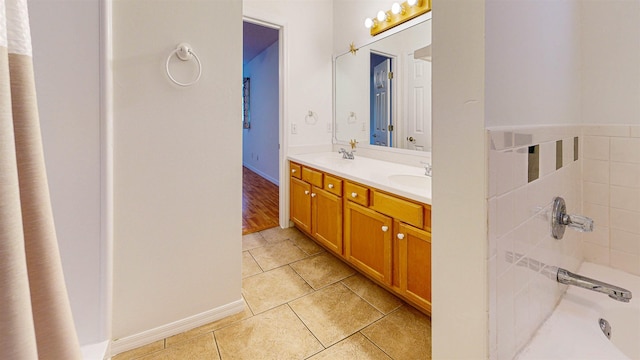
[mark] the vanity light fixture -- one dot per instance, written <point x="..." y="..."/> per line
<point x="396" y="9"/>
<point x="399" y="13"/>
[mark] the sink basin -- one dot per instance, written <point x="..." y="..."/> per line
<point x="414" y="181"/>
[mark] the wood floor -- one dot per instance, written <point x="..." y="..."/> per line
<point x="260" y="203"/>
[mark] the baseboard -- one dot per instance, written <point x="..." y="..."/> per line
<point x="275" y="181"/>
<point x="98" y="351"/>
<point x="176" y="327"/>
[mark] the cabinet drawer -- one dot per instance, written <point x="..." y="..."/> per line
<point x="295" y="170"/>
<point x="356" y="193"/>
<point x="333" y="185"/>
<point x="403" y="210"/>
<point x="311" y="176"/>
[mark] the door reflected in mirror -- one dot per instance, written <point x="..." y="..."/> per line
<point x="383" y="91"/>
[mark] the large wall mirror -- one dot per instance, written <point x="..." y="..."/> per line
<point x="382" y="92"/>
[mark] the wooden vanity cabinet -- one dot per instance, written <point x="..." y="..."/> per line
<point x="367" y="241"/>
<point x="386" y="237"/>
<point x="316" y="205"/>
<point x="412" y="270"/>
<point x="300" y="208"/>
<point x="326" y="221"/>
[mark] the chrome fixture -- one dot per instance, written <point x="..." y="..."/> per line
<point x="346" y="154"/>
<point x="614" y="292"/>
<point x="605" y="327"/>
<point x="560" y="220"/>
<point x="427" y="168"/>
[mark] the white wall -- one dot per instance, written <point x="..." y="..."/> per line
<point x="459" y="247"/>
<point x="532" y="62"/>
<point x="307" y="42"/>
<point x="610" y="58"/>
<point x="66" y="53"/>
<point x="177" y="163"/>
<point x="260" y="143"/>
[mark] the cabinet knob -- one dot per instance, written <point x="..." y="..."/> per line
<point x="354" y="195"/>
<point x="306" y="192"/>
<point x="313" y="194"/>
<point x="385" y="228"/>
<point x="400" y="236"/>
<point x="330" y="186"/>
<point x="293" y="170"/>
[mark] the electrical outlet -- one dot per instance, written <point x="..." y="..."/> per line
<point x="294" y="128"/>
<point x="363" y="129"/>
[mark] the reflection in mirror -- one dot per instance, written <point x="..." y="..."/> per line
<point x="383" y="91"/>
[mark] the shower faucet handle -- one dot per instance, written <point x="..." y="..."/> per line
<point x="560" y="220"/>
<point x="578" y="222"/>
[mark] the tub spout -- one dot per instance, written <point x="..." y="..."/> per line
<point x="614" y="292"/>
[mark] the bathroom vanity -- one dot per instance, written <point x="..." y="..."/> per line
<point x="373" y="214"/>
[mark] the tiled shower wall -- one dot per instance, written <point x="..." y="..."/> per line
<point x="522" y="287"/>
<point x="611" y="183"/>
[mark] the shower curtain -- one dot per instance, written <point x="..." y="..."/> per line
<point x="35" y="317"/>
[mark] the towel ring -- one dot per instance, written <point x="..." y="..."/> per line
<point x="184" y="53"/>
<point x="311" y="118"/>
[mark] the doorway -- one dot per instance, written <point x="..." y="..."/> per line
<point x="261" y="126"/>
<point x="381" y="75"/>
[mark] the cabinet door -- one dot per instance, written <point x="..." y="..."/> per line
<point x="368" y="241"/>
<point x="326" y="224"/>
<point x="414" y="263"/>
<point x="300" y="209"/>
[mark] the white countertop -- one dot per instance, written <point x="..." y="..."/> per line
<point x="371" y="172"/>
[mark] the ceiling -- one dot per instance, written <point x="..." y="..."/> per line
<point x="255" y="39"/>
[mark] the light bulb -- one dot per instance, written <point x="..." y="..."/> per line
<point x="382" y="16"/>
<point x="412" y="2"/>
<point x="396" y="8"/>
<point x="368" y="23"/>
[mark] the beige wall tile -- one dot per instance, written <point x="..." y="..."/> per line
<point x="624" y="241"/>
<point x="625" y="150"/>
<point x="625" y="198"/>
<point x="595" y="193"/>
<point x="625" y="174"/>
<point x="595" y="147"/>
<point x="599" y="213"/>
<point x="607" y="130"/>
<point x="625" y="262"/>
<point x="596" y="171"/>
<point x="625" y="220"/>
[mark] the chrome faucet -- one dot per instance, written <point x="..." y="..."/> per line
<point x="427" y="168"/>
<point x="346" y="154"/>
<point x="614" y="292"/>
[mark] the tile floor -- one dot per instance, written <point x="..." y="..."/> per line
<point x="301" y="302"/>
